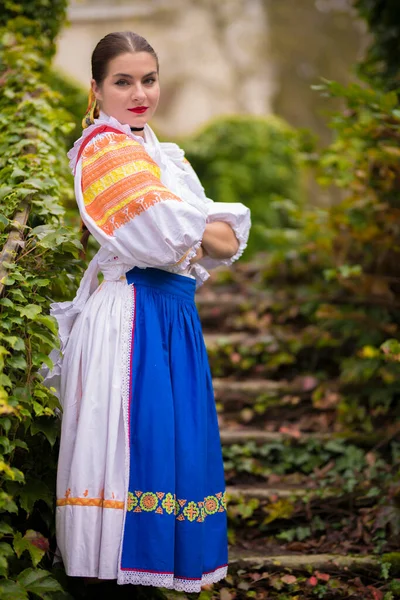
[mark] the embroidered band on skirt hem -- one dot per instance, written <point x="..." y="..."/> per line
<point x="175" y="532"/>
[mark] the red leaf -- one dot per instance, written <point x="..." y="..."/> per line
<point x="292" y="431"/>
<point x="309" y="383"/>
<point x="235" y="358"/>
<point x="376" y="594"/>
<point x="322" y="576"/>
<point x="313" y="581"/>
<point x="37" y="539"/>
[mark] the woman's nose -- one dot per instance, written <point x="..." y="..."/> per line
<point x="138" y="93"/>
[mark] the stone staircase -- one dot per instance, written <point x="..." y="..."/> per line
<point x="290" y="523"/>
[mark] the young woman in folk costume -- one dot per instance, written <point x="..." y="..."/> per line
<point x="140" y="489"/>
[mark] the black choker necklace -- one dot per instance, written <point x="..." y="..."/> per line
<point x="137" y="128"/>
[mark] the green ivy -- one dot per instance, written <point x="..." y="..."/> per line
<point x="40" y="19"/>
<point x="381" y="64"/>
<point x="34" y="172"/>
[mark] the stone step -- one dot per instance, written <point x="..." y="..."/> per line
<point x="246" y="559"/>
<point x="235" y="311"/>
<point x="214" y="341"/>
<point x="269" y="492"/>
<point x="225" y="301"/>
<point x="270" y="396"/>
<point x="242" y="436"/>
<point x="252" y="388"/>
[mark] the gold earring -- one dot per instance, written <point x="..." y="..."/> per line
<point x="92" y="111"/>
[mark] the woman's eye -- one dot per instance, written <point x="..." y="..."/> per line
<point x="150" y="81"/>
<point x="121" y="82"/>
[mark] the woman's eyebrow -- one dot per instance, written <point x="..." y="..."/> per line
<point x="123" y="75"/>
<point x="126" y="75"/>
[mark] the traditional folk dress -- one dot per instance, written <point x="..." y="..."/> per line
<point x="140" y="487"/>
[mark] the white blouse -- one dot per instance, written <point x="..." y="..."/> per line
<point x="161" y="225"/>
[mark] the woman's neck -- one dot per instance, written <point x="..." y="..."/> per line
<point x="138" y="131"/>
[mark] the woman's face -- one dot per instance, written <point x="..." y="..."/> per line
<point x="130" y="91"/>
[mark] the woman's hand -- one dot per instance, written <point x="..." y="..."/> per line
<point x="199" y="255"/>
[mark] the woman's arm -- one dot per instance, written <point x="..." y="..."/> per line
<point x="129" y="211"/>
<point x="219" y="240"/>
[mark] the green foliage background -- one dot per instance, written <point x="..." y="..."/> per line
<point x="253" y="160"/>
<point x="381" y="65"/>
<point x="35" y="18"/>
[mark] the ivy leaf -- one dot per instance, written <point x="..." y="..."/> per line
<point x="17" y="172"/>
<point x="6" y="302"/>
<point x="18" y="295"/>
<point x="15" y="342"/>
<point x="17" y="362"/>
<point x="5" y="381"/>
<point x="48" y="322"/>
<point x="47" y="427"/>
<point x="3" y="566"/>
<point x="30" y="311"/>
<point x="36" y="183"/>
<point x="33" y="491"/>
<point x="5" y="190"/>
<point x="11" y="590"/>
<point x="7" y="445"/>
<point x="5" y="529"/>
<point x="6" y="549"/>
<point x="5" y="422"/>
<point x="38" y="582"/>
<point x="11" y="473"/>
<point x="32" y="542"/>
<point x="41" y="282"/>
<point x="21" y="444"/>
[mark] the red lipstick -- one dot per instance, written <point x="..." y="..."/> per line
<point x="139" y="109"/>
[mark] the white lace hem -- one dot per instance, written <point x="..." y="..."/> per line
<point x="185" y="264"/>
<point x="238" y="217"/>
<point x="126" y="353"/>
<point x="169" y="581"/>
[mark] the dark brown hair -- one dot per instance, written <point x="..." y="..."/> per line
<point x="108" y="48"/>
<point x="114" y="44"/>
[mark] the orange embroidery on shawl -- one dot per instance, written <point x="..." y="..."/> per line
<point x="119" y="181"/>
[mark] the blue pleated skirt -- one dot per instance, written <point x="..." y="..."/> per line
<point x="175" y="531"/>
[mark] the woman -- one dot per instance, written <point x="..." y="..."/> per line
<point x="140" y="488"/>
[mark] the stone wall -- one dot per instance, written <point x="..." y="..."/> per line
<point x="213" y="55"/>
<point x="226" y="56"/>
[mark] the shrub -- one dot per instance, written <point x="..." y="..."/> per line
<point x="381" y="65"/>
<point x="72" y="97"/>
<point x="40" y="19"/>
<point x="252" y="160"/>
<point x="341" y="275"/>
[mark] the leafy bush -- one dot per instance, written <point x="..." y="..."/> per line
<point x="41" y="19"/>
<point x="72" y="97"/>
<point x="252" y="160"/>
<point x="381" y="65"/>
<point x="33" y="176"/>
<point x="339" y="279"/>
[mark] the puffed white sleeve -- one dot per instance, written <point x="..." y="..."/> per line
<point x="237" y="215"/>
<point x="129" y="211"/>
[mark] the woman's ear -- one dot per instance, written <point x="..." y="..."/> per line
<point x="96" y="89"/>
